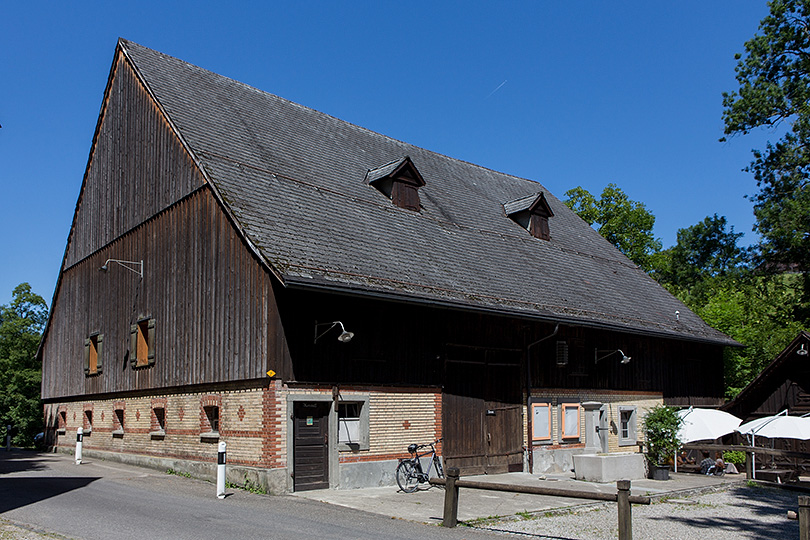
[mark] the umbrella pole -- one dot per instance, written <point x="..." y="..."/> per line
<point x="753" y="457"/>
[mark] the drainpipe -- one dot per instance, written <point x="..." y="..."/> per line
<point x="530" y="429"/>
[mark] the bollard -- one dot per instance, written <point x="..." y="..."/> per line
<point x="79" y="437"/>
<point x="221" y="471"/>
<point x="8" y="438"/>
<point x="451" y="498"/>
<point x="804" y="517"/>
<point x="625" y="510"/>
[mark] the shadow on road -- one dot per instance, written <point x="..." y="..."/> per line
<point x="18" y="488"/>
<point x="16" y="492"/>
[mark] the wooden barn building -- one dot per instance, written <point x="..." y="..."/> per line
<point x="242" y="268"/>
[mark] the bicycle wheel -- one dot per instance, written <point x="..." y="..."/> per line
<point x="407" y="477"/>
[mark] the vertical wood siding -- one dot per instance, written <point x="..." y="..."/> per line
<point x="137" y="168"/>
<point x="213" y="304"/>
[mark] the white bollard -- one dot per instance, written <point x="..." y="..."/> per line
<point x="221" y="471"/>
<point x="79" y="437"/>
<point x="8" y="438"/>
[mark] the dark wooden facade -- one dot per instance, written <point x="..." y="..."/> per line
<point x="213" y="303"/>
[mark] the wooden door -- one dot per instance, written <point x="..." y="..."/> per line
<point x="482" y="416"/>
<point x="311" y="445"/>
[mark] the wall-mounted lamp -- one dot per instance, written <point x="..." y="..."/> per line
<point x="596" y="357"/>
<point x="802" y="351"/>
<point x="129" y="265"/>
<point x="344" y="336"/>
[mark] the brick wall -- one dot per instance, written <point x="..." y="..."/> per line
<point x="242" y="415"/>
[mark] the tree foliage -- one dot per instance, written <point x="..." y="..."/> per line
<point x="774" y="91"/>
<point x="755" y="310"/>
<point x="21" y="325"/>
<point x="704" y="250"/>
<point x="625" y="223"/>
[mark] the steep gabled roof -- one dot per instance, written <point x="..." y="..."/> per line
<point x="273" y="161"/>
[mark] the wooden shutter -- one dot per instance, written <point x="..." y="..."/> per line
<point x="133" y="345"/>
<point x="99" y="347"/>
<point x="87" y="356"/>
<point x="150" y="340"/>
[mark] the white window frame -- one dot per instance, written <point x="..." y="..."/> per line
<point x="632" y="426"/>
<point x="360" y="425"/>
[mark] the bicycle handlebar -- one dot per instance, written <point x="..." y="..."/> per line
<point x="430" y="444"/>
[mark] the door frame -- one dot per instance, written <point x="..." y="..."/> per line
<point x="332" y="451"/>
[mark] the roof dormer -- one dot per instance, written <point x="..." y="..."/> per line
<point x="399" y="181"/>
<point x="531" y="213"/>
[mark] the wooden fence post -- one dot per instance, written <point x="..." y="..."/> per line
<point x="804" y="517"/>
<point x="625" y="511"/>
<point x="451" y="498"/>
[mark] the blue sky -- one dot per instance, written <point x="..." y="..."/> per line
<point x="565" y="93"/>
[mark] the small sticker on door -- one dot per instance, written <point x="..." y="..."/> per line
<point x="309" y="421"/>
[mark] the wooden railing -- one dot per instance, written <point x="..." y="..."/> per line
<point x="622" y="497"/>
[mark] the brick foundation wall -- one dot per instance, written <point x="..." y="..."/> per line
<point x="248" y="424"/>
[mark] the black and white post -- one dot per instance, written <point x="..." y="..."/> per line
<point x="79" y="437"/>
<point x="8" y="438"/>
<point x="221" y="471"/>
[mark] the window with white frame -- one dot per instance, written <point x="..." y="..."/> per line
<point x="541" y="423"/>
<point x="627" y="425"/>
<point x="353" y="423"/>
<point x="569" y="422"/>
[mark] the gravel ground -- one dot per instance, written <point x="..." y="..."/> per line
<point x="740" y="513"/>
<point x="10" y="531"/>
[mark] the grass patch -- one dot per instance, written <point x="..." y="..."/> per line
<point x="249" y="486"/>
<point x="178" y="473"/>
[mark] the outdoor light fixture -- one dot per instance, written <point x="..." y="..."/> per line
<point x="344" y="336"/>
<point x="802" y="351"/>
<point x="625" y="359"/>
<point x="129" y="265"/>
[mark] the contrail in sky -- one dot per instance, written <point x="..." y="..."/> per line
<point x="499" y="87"/>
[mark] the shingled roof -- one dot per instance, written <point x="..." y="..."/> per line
<point x="295" y="181"/>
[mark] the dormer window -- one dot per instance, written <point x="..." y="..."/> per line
<point x="531" y="213"/>
<point x="399" y="181"/>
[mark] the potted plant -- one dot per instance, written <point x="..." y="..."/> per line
<point x="661" y="427"/>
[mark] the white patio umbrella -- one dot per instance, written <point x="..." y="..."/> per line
<point x="704" y="424"/>
<point x="780" y="426"/>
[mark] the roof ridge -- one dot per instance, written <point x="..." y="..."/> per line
<point x="304" y="107"/>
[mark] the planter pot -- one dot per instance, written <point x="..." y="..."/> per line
<point x="659" y="472"/>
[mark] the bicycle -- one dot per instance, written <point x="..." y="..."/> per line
<point x="409" y="471"/>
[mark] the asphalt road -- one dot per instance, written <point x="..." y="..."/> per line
<point x="100" y="500"/>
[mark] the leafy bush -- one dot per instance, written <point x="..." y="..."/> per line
<point x="661" y="433"/>
<point x="735" y="457"/>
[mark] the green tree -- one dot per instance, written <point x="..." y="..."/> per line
<point x="706" y="249"/>
<point x="625" y="223"/>
<point x="21" y="325"/>
<point x="774" y="92"/>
